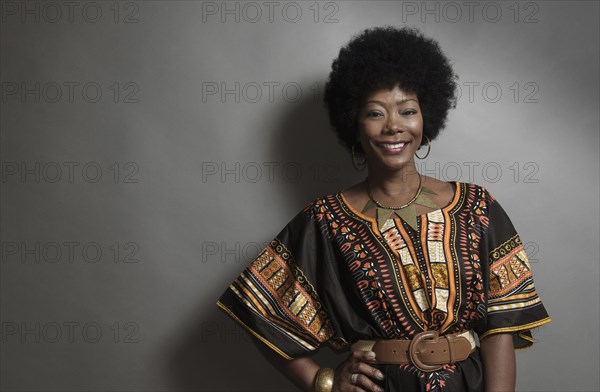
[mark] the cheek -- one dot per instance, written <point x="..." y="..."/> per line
<point x="415" y="128"/>
<point x="367" y="129"/>
<point x="416" y="122"/>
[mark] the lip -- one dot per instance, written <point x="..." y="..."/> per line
<point x="396" y="150"/>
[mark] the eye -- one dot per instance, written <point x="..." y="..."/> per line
<point x="374" y="114"/>
<point x="409" y="112"/>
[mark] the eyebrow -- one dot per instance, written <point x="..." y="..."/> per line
<point x="397" y="102"/>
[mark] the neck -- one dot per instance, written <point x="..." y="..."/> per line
<point x="393" y="185"/>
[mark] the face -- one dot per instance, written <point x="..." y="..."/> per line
<point x="390" y="128"/>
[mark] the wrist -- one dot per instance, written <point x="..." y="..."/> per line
<point x="324" y="380"/>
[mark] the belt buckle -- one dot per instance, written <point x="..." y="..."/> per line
<point x="413" y="353"/>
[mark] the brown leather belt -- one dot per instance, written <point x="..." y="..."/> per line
<point x="427" y="350"/>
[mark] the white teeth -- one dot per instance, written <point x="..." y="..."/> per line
<point x="399" y="145"/>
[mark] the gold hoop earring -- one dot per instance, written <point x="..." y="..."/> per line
<point x="428" y="149"/>
<point x="354" y="163"/>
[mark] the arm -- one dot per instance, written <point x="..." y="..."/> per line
<point x="301" y="371"/>
<point x="499" y="363"/>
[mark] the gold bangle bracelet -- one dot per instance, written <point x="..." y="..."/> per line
<point x="324" y="380"/>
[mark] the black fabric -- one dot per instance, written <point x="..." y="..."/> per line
<point x="331" y="276"/>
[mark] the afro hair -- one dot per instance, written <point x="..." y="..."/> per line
<point x="382" y="58"/>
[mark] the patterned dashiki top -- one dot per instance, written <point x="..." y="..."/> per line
<point x="331" y="276"/>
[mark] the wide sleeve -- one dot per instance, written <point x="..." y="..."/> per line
<point x="275" y="297"/>
<point x="513" y="304"/>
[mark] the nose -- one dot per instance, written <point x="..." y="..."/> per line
<point x="393" y="124"/>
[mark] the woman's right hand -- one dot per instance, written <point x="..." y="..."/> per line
<point x="356" y="364"/>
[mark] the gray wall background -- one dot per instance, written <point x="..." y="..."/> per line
<point x="138" y="180"/>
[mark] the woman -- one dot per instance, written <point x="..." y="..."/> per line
<point x="404" y="270"/>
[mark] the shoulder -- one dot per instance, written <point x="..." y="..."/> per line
<point x="476" y="199"/>
<point x="476" y="191"/>
<point x="445" y="186"/>
<point x="319" y="206"/>
<point x="471" y="194"/>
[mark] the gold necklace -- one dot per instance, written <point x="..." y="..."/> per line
<point x="406" y="211"/>
<point x="381" y="205"/>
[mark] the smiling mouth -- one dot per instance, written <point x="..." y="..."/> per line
<point x="393" y="146"/>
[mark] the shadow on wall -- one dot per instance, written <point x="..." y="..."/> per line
<point x="214" y="353"/>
